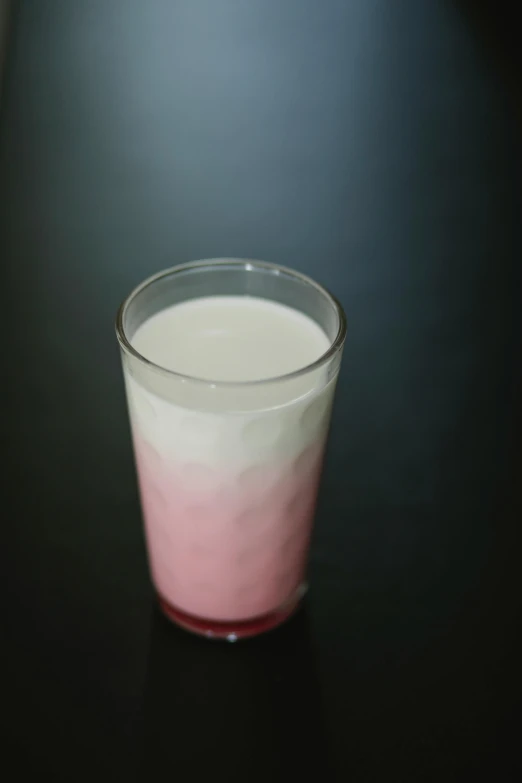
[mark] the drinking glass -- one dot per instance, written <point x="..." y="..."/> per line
<point x="228" y="472"/>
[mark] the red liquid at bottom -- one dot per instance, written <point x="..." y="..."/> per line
<point x="235" y="629"/>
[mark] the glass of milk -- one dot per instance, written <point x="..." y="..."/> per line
<point x="230" y="368"/>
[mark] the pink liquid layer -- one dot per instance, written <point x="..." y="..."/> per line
<point x="227" y="548"/>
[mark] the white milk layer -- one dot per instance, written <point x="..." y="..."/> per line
<point x="227" y="340"/>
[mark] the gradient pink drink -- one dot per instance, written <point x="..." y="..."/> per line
<point x="229" y="434"/>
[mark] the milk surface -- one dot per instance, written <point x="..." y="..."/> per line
<point x="231" y="338"/>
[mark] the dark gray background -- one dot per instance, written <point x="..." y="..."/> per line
<point x="374" y="145"/>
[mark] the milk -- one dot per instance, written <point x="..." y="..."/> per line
<point x="228" y="458"/>
<point x="231" y="338"/>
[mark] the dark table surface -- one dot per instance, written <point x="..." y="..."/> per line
<point x="375" y="146"/>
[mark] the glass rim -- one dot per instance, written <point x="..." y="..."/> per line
<point x="248" y="266"/>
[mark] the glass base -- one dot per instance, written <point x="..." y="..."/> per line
<point x="233" y="630"/>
